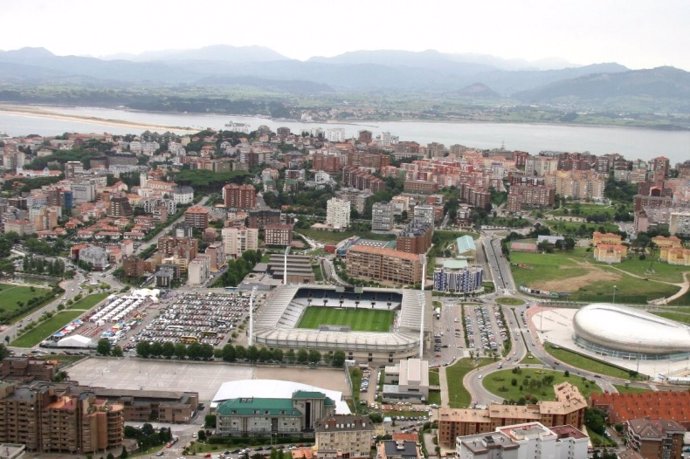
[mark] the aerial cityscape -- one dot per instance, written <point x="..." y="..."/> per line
<point x="219" y="251"/>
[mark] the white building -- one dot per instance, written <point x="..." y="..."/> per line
<point x="83" y="192"/>
<point x="525" y="441"/>
<point x="199" y="270"/>
<point x="183" y="195"/>
<point x="408" y="380"/>
<point x="679" y="223"/>
<point x="95" y="256"/>
<point x="423" y="214"/>
<point x="335" y="134"/>
<point x="338" y="213"/>
<point x="238" y="240"/>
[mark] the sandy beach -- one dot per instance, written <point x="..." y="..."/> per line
<point x="38" y="112"/>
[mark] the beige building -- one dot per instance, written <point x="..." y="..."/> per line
<point x="199" y="270"/>
<point x="384" y="265"/>
<point x="343" y="436"/>
<point x="238" y="240"/>
<point x="408" y="380"/>
<point x="610" y="253"/>
<point x="338" y="213"/>
<point x="567" y="409"/>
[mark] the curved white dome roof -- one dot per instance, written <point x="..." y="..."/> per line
<point x="631" y="330"/>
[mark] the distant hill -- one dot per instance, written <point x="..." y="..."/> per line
<point x="380" y="72"/>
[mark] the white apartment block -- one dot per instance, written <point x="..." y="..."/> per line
<point x="238" y="240"/>
<point x="382" y="218"/>
<point x="199" y="270"/>
<point x="338" y="213"/>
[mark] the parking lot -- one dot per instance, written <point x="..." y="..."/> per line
<point x="486" y="331"/>
<point x="195" y="317"/>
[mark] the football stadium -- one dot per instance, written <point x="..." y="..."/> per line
<point x="368" y="324"/>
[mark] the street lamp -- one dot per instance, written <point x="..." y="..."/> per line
<point x="614" y="294"/>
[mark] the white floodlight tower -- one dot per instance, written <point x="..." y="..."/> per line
<point x="421" y="329"/>
<point x="251" y="316"/>
<point x="287" y="250"/>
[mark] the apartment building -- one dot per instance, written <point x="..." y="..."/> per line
<point x="338" y="213"/>
<point x="260" y="218"/>
<point x="415" y="238"/>
<point x="278" y="235"/>
<point x="457" y="277"/>
<point x="196" y="217"/>
<point x="119" y="206"/>
<point x="58" y="418"/>
<point x="528" y="440"/>
<point x="398" y="449"/>
<point x="239" y="196"/>
<point x="341" y="436"/>
<point x="382" y="216"/>
<point x="567" y="409"/>
<point x="384" y="265"/>
<point x="525" y="196"/>
<point x="659" y="438"/>
<point x="237" y="240"/>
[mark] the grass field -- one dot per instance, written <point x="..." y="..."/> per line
<point x="88" y="302"/>
<point x="677" y="316"/>
<point x="508" y="301"/>
<point x="586" y="363"/>
<point x="372" y="320"/>
<point x="585" y="210"/>
<point x="46" y="328"/>
<point x="530" y="383"/>
<point x="433" y="377"/>
<point x="11" y="294"/>
<point x="683" y="300"/>
<point x="458" y="397"/>
<point x="337" y="236"/>
<point x="588" y="280"/>
<point x="630" y="390"/>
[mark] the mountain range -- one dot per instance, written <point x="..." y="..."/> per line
<point x="383" y="72"/>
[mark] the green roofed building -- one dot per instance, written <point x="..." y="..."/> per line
<point x="267" y="416"/>
<point x="465" y="247"/>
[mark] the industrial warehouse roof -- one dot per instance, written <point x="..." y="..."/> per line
<point x="274" y="389"/>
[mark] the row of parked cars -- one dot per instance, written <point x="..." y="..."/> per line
<point x="364" y="385"/>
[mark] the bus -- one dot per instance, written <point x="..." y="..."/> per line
<point x="188" y="339"/>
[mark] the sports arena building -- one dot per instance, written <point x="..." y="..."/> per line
<point x="277" y="322"/>
<point x="628" y="333"/>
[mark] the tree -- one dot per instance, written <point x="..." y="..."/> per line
<point x="201" y="435"/>
<point x="4" y="352"/>
<point x="338" y="359"/>
<point x="103" y="347"/>
<point x="252" y="354"/>
<point x="265" y="354"/>
<point x="228" y="353"/>
<point x="168" y="350"/>
<point x="302" y="356"/>
<point x="290" y="356"/>
<point x="180" y="351"/>
<point x="206" y="351"/>
<point x="210" y="421"/>
<point x="156" y="349"/>
<point x="314" y="356"/>
<point x="277" y="355"/>
<point x="116" y="351"/>
<point x="194" y="351"/>
<point x="143" y="349"/>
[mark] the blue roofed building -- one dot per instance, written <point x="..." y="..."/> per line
<point x="465" y="247"/>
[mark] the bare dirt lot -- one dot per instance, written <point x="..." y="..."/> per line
<point x="573" y="284"/>
<point x="202" y="377"/>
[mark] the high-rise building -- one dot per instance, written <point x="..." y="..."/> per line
<point x="278" y="235"/>
<point x="423" y="215"/>
<point x="342" y="435"/>
<point x="458" y="280"/>
<point x="383" y="264"/>
<point x="338" y="213"/>
<point x="382" y="216"/>
<point x="239" y="196"/>
<point x="119" y="206"/>
<point x="196" y="217"/>
<point x="238" y="240"/>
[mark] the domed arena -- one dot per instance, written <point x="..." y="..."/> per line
<point x="628" y="333"/>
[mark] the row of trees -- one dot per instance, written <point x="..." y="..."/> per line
<point x="230" y="353"/>
<point x="42" y="266"/>
<point x="238" y="269"/>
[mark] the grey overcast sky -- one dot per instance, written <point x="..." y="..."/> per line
<point x="636" y="33"/>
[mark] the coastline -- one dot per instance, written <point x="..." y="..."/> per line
<point x="33" y="111"/>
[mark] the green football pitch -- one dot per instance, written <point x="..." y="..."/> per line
<point x="372" y="320"/>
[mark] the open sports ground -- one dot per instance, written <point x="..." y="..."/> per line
<point x="371" y="320"/>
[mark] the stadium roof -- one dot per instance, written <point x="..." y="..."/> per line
<point x="627" y="329"/>
<point x="275" y="326"/>
<point x="274" y="389"/>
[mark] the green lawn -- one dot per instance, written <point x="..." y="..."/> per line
<point x="531" y="268"/>
<point x="683" y="300"/>
<point x="46" y="328"/>
<point x="530" y="383"/>
<point x="575" y="228"/>
<point x="586" y="363"/>
<point x="88" y="302"/>
<point x="458" y="397"/>
<point x="677" y="316"/>
<point x="356" y="378"/>
<point x="653" y="269"/>
<point x="433" y="377"/>
<point x="585" y="210"/>
<point x="434" y="397"/>
<point x="10" y="295"/>
<point x="508" y="301"/>
<point x="630" y="389"/>
<point x="374" y="320"/>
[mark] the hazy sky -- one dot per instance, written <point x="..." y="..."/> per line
<point x="636" y="33"/>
